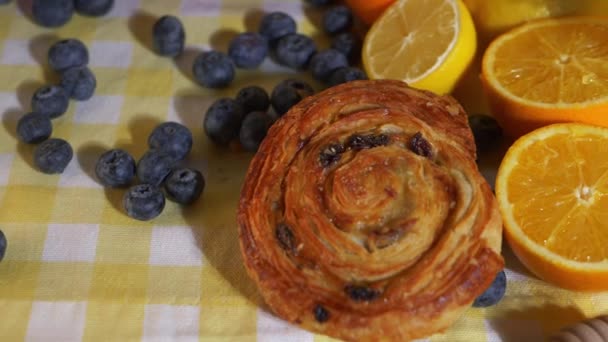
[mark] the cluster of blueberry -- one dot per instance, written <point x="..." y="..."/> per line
<point x="169" y="143"/>
<point x="70" y="58"/>
<point x="278" y="38"/>
<point x="55" y="13"/>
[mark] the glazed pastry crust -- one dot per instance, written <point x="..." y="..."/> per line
<point x="389" y="240"/>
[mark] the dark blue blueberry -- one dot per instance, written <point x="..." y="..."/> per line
<point x="79" y="83"/>
<point x="325" y="62"/>
<point x="52" y="13"/>
<point x="213" y="69"/>
<point x="276" y="25"/>
<point x="34" y="128"/>
<point x="254" y="129"/>
<point x="346" y="74"/>
<point x="319" y="2"/>
<point x="173" y="138"/>
<point x="68" y="53"/>
<point x="93" y="8"/>
<point x="486" y="131"/>
<point x="337" y="19"/>
<point x="144" y="202"/>
<point x="253" y="98"/>
<point x="51" y="101"/>
<point x="494" y="293"/>
<point x="349" y="44"/>
<point x="154" y="166"/>
<point x="248" y="50"/>
<point x="115" y="168"/>
<point x="184" y="185"/>
<point x="223" y="120"/>
<point x="3" y="245"/>
<point x="53" y="155"/>
<point x="295" y="50"/>
<point x="168" y="36"/>
<point x="287" y="93"/>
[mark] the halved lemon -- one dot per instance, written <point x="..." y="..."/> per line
<point x="427" y="43"/>
<point x="552" y="190"/>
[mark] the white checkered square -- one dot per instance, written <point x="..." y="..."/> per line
<point x="273" y="329"/>
<point x="171" y="323"/>
<point x="56" y="321"/>
<point x="202" y="8"/>
<point x="75" y="176"/>
<point x="293" y="8"/>
<point x="10" y="100"/>
<point x="70" y="243"/>
<point x="174" y="246"/>
<point x="104" y="109"/>
<point x="111" y="54"/>
<point x="6" y="161"/>
<point x="17" y="52"/>
<point x="123" y="8"/>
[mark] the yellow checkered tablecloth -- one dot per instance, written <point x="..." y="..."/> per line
<point x="77" y="268"/>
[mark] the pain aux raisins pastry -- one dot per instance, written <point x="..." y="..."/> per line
<point x="364" y="217"/>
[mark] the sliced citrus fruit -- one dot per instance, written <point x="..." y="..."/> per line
<point x="426" y="43"/>
<point x="552" y="190"/>
<point x="548" y="71"/>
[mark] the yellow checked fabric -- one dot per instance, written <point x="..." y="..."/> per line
<point x="78" y="269"/>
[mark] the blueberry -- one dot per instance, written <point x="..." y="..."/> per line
<point x="337" y="19"/>
<point x="295" y="50"/>
<point x="53" y="155"/>
<point x="51" y="101"/>
<point x="254" y="129"/>
<point x="154" y="166"/>
<point x="184" y="185"/>
<point x="115" y="168"/>
<point x="287" y="93"/>
<point x="52" y="13"/>
<point x="68" y="53"/>
<point x="223" y="120"/>
<point x="93" y="8"/>
<point x="213" y="69"/>
<point x="323" y="63"/>
<point x="173" y="138"/>
<point x="276" y="25"/>
<point x="253" y="98"/>
<point x="486" y="131"/>
<point x="79" y="83"/>
<point x="346" y="74"/>
<point x="494" y="293"/>
<point x="3" y="245"/>
<point x="144" y="202"/>
<point x="34" y="128"/>
<point x="168" y="36"/>
<point x="248" y="50"/>
<point x="349" y="44"/>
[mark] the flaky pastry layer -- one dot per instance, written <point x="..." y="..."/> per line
<point x="364" y="217"/>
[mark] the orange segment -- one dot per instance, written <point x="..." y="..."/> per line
<point x="552" y="190"/>
<point x="548" y="71"/>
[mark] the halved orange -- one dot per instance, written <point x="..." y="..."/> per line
<point x="548" y="71"/>
<point x="552" y="190"/>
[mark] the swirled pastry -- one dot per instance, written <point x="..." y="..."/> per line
<point x="364" y="217"/>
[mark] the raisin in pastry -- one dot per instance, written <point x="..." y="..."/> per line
<point x="364" y="217"/>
